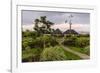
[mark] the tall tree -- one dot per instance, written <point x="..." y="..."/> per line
<point x="42" y="26"/>
<point x="36" y="28"/>
<point x="70" y="22"/>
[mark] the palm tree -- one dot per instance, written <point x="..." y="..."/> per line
<point x="70" y="22"/>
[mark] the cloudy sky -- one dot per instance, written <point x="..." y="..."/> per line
<point x="81" y="21"/>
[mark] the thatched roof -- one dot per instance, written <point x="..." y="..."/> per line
<point x="70" y="31"/>
<point x="57" y="31"/>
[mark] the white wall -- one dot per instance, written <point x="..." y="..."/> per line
<point x="5" y="34"/>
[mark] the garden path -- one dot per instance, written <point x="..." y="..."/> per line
<point x="81" y="55"/>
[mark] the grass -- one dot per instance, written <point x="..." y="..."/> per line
<point x="53" y="54"/>
<point x="57" y="53"/>
<point x="81" y="50"/>
<point x="33" y="52"/>
<point x="30" y="55"/>
<point x="71" y="56"/>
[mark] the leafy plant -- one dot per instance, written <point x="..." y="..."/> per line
<point x="82" y="42"/>
<point x="76" y="41"/>
<point x="70" y="41"/>
<point x="42" y="25"/>
<point x="30" y="55"/>
<point x="53" y="54"/>
<point x="26" y="41"/>
<point x="87" y="50"/>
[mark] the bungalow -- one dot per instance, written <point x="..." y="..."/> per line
<point x="67" y="32"/>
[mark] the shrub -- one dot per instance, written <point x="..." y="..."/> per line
<point x="28" y="33"/>
<point x="38" y="42"/>
<point x="84" y="35"/>
<point x="76" y="41"/>
<point x="26" y="42"/>
<point x="52" y="54"/>
<point x="82" y="42"/>
<point x="31" y="55"/>
<point x="87" y="50"/>
<point x="70" y="41"/>
<point x="49" y="41"/>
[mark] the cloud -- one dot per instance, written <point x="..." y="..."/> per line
<point x="28" y="16"/>
<point x="81" y="28"/>
<point x="28" y="27"/>
<point x="77" y="27"/>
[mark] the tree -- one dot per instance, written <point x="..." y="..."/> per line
<point x="36" y="28"/>
<point x="42" y="26"/>
<point x="70" y="22"/>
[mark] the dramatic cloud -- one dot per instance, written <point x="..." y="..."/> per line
<point x="28" y="17"/>
<point x="80" y="21"/>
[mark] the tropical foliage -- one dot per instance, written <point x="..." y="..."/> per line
<point x="45" y="43"/>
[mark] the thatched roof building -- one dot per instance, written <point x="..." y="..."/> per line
<point x="57" y="31"/>
<point x="70" y="32"/>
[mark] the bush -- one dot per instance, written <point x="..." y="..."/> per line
<point x="49" y="41"/>
<point x="31" y="34"/>
<point x="82" y="42"/>
<point x="53" y="54"/>
<point x="76" y="41"/>
<point x="38" y="42"/>
<point x="31" y="55"/>
<point x="87" y="50"/>
<point x="26" y="42"/>
<point x="84" y="35"/>
<point x="70" y="41"/>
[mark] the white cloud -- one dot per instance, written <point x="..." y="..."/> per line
<point x="28" y="27"/>
<point x="63" y="27"/>
<point x="77" y="27"/>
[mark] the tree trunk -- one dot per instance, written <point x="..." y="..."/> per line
<point x="44" y="41"/>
